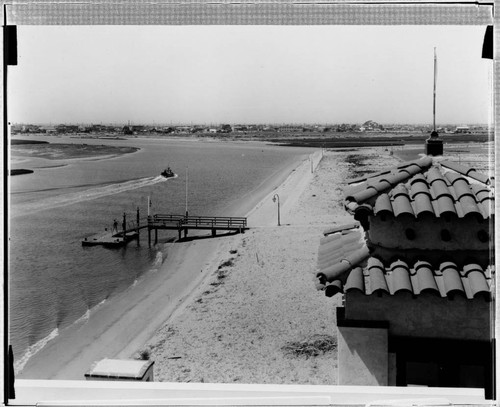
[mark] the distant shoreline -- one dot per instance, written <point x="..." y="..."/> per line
<point x="64" y="151"/>
<point x="298" y="139"/>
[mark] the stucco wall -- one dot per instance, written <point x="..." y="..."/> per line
<point x="426" y="315"/>
<point x="464" y="233"/>
<point x="362" y="356"/>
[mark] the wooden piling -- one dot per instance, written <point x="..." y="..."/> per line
<point x="150" y="222"/>
<point x="124" y="224"/>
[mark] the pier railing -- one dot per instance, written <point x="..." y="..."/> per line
<point x="223" y="222"/>
<point x="186" y="222"/>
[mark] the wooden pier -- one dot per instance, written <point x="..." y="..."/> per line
<point x="182" y="223"/>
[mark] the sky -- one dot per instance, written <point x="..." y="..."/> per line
<point x="249" y="74"/>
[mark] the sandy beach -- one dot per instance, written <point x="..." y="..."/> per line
<point x="257" y="311"/>
<point x="226" y="309"/>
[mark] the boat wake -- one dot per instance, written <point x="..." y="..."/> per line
<point x="88" y="194"/>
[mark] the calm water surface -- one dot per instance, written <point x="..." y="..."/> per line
<point x="54" y="281"/>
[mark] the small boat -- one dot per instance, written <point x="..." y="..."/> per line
<point x="168" y="173"/>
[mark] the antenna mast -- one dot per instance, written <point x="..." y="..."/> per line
<point x="187" y="174"/>
<point x="434" y="92"/>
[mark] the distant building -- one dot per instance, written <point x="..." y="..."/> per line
<point x="291" y="129"/>
<point x="462" y="130"/>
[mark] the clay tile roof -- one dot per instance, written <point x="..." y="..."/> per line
<point x="421" y="187"/>
<point x="468" y="171"/>
<point x="340" y="252"/>
<point x="381" y="181"/>
<point x="364" y="273"/>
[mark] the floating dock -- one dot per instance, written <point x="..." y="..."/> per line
<point x="109" y="239"/>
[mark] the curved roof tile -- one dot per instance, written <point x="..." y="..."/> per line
<point x="470" y="268"/>
<point x="462" y="187"/>
<point x="402" y="205"/>
<point x="383" y="204"/>
<point x="468" y="204"/>
<point x="487" y="208"/>
<point x="451" y="278"/>
<point x="452" y="176"/>
<point x="376" y="281"/>
<point x="481" y="191"/>
<point x="478" y="283"/>
<point x="445" y="205"/>
<point x="423" y="278"/>
<point x="439" y="189"/>
<point x="364" y="195"/>
<point x="423" y="204"/>
<point x="333" y="288"/>
<point x="419" y="187"/>
<point x="481" y="196"/>
<point x="399" y="277"/>
<point x="355" y="280"/>
<point x="434" y="175"/>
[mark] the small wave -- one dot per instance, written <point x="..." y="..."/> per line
<point x="158" y="260"/>
<point x="90" y="194"/>
<point x="84" y="318"/>
<point x="33" y="350"/>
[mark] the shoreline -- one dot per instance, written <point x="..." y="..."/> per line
<point x="107" y="331"/>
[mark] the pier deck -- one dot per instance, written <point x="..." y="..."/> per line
<point x="182" y="223"/>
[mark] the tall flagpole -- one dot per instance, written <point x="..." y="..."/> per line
<point x="434" y="93"/>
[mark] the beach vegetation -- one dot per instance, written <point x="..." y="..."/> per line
<point x="315" y="345"/>
<point x="144" y="354"/>
<point x="227" y="263"/>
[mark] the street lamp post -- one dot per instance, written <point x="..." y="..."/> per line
<point x="276" y="196"/>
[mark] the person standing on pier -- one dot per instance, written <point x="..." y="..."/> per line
<point x="115" y="226"/>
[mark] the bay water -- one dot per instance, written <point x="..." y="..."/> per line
<point x="55" y="281"/>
